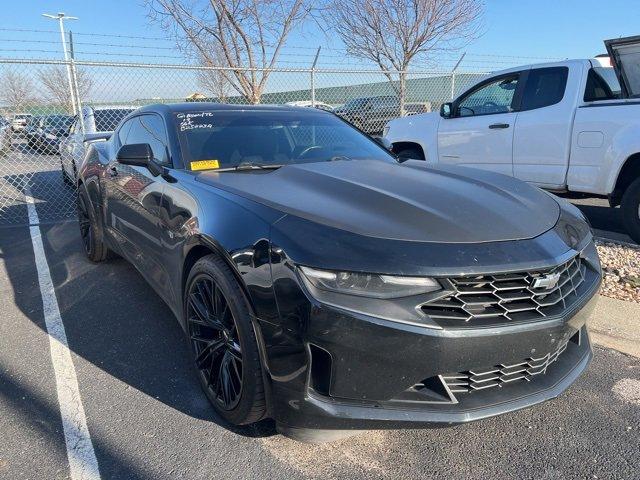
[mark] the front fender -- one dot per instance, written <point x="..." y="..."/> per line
<point x="625" y="143"/>
<point x="421" y="129"/>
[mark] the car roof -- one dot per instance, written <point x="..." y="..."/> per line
<point x="169" y="108"/>
<point x="191" y="106"/>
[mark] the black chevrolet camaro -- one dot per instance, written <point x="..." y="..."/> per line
<point x="325" y="285"/>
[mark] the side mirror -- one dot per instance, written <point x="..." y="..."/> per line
<point x="139" y="155"/>
<point x="446" y="110"/>
<point x="384" y="143"/>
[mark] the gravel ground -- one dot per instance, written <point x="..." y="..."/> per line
<point x="621" y="269"/>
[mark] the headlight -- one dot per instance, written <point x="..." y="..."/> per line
<point x="572" y="227"/>
<point x="368" y="284"/>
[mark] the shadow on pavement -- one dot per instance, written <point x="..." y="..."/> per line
<point x="115" y="321"/>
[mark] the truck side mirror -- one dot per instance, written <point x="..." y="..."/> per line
<point x="446" y="109"/>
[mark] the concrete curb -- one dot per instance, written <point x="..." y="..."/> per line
<point x="616" y="324"/>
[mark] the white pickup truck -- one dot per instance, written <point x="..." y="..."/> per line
<point x="567" y="126"/>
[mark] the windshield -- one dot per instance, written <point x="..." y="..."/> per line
<point x="58" y="121"/>
<point x="108" y="119"/>
<point x="355" y="103"/>
<point x="228" y="139"/>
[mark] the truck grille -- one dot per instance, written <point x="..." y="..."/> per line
<point x="493" y="299"/>
<point x="497" y="376"/>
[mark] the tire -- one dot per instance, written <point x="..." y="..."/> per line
<point x="221" y="337"/>
<point x="90" y="232"/>
<point x="410" y="154"/>
<point x="630" y="207"/>
<point x="65" y="176"/>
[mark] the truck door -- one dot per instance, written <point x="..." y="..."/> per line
<point x="479" y="133"/>
<point x="542" y="138"/>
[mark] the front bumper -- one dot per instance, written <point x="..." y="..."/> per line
<point x="374" y="363"/>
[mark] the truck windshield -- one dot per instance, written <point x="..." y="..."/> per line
<point x="228" y="139"/>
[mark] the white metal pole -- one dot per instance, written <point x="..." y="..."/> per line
<point x="453" y="75"/>
<point x="66" y="59"/>
<point x="313" y="78"/>
<point x="76" y="88"/>
<point x="61" y="17"/>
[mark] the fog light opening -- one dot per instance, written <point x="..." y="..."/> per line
<point x="320" y="378"/>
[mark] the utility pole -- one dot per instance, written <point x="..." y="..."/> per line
<point x="453" y="75"/>
<point x="313" y="78"/>
<point x="76" y="88"/>
<point x="61" y="17"/>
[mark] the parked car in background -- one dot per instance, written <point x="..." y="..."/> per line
<point x="31" y="128"/>
<point x="5" y="135"/>
<point x="19" y="121"/>
<point x="97" y="122"/>
<point x="309" y="103"/>
<point x="324" y="284"/>
<point x="565" y="126"/>
<point x="44" y="133"/>
<point x="370" y="114"/>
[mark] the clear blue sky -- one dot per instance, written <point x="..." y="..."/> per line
<point x="542" y="28"/>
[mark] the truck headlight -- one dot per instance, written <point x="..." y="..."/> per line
<point x="368" y="284"/>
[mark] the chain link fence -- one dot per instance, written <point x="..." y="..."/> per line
<point x="48" y="109"/>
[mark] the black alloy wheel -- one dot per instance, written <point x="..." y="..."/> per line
<point x="223" y="341"/>
<point x="91" y="235"/>
<point x="215" y="341"/>
<point x="86" y="226"/>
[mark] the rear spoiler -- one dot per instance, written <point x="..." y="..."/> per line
<point x="94" y="137"/>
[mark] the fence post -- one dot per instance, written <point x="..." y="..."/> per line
<point x="313" y="78"/>
<point x="453" y="76"/>
<point x="75" y="89"/>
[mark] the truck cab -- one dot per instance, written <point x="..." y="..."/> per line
<point x="565" y="126"/>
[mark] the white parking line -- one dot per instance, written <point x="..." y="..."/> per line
<point x="82" y="458"/>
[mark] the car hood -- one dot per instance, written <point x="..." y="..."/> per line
<point x="409" y="201"/>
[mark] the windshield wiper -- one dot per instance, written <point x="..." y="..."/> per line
<point x="243" y="166"/>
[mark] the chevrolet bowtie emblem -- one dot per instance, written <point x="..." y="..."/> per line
<point x="547" y="282"/>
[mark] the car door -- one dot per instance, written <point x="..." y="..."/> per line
<point x="479" y="133"/>
<point x="543" y="128"/>
<point x="133" y="197"/>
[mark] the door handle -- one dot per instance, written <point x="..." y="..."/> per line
<point x="113" y="171"/>
<point x="498" y="125"/>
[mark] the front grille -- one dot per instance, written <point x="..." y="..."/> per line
<point x="492" y="299"/>
<point x="499" y="375"/>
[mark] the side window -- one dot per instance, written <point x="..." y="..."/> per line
<point x="602" y="84"/>
<point x="545" y="87"/>
<point x="494" y="97"/>
<point x="150" y="129"/>
<point x="124" y="130"/>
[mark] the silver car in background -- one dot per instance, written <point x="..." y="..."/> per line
<point x="19" y="121"/>
<point x="99" y="122"/>
<point x="5" y="135"/>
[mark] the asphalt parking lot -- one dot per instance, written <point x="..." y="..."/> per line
<point x="147" y="417"/>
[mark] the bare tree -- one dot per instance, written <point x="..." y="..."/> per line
<point x="56" y="85"/>
<point x="392" y="33"/>
<point x="249" y="34"/>
<point x="216" y="81"/>
<point x="16" y="90"/>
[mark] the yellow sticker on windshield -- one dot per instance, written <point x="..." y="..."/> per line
<point x="205" y="164"/>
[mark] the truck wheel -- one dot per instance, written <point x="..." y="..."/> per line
<point x="630" y="207"/>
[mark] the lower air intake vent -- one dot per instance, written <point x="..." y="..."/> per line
<point x="499" y="375"/>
